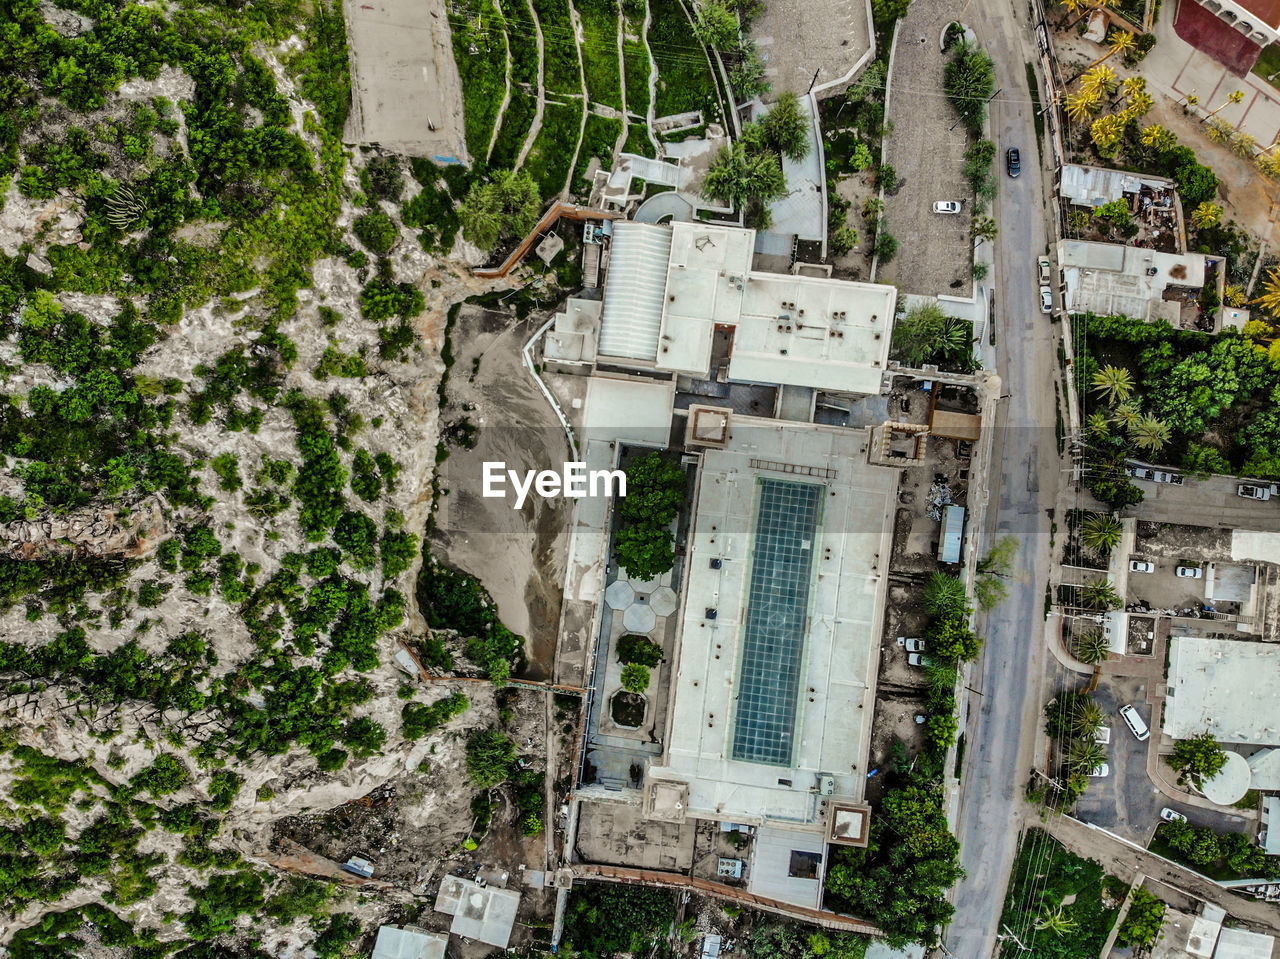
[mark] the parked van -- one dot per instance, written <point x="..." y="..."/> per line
<point x="1136" y="724"/>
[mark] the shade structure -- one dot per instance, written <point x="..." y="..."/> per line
<point x="663" y="601"/>
<point x="639" y="618"/>
<point x="619" y="594"/>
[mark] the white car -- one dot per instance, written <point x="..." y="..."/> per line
<point x="946" y="206"/>
<point x="915" y="645"/>
<point x="1173" y="479"/>
<point x="1172" y="815"/>
<point x="1046" y="300"/>
<point x="1254" y="491"/>
<point x="1141" y="566"/>
<point x="1043" y="264"/>
<point x="1189" y="572"/>
<point x="915" y="659"/>
<point x="908" y="642"/>
<point x="1101" y="771"/>
<point x="1140" y="472"/>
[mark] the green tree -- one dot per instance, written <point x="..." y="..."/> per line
<point x="1085" y="757"/>
<point x="944" y="595"/>
<point x="950" y="638"/>
<point x="645" y="551"/>
<point x="506" y="206"/>
<point x="1091" y="646"/>
<point x="1197" y="759"/>
<point x="1113" y="383"/>
<point x="1203" y="460"/>
<point x="716" y="24"/>
<point x="635" y="678"/>
<point x="1099" y="594"/>
<point x="490" y="756"/>
<point x="786" y="127"/>
<point x="1100" y="533"/>
<point x="969" y="81"/>
<point x="1141" y="926"/>
<point x="377" y="231"/>
<point x="740" y="176"/>
<point x="639" y="649"/>
<point x="655" y="490"/>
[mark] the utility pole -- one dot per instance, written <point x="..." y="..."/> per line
<point x="1010" y="935"/>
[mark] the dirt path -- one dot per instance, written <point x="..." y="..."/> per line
<point x="578" y="36"/>
<point x="650" y="116"/>
<point x="622" y="84"/>
<point x="536" y="125"/>
<point x="506" y="93"/>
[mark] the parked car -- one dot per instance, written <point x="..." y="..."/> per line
<point x="1174" y="479"/>
<point x="910" y="643"/>
<point x="1045" y="268"/>
<point x="1137" y="725"/>
<point x="1046" y="300"/>
<point x="946" y="206"/>
<point x="1103" y="735"/>
<point x="1254" y="491"/>
<point x="1101" y="771"/>
<point x="1013" y="161"/>
<point x="1141" y="566"/>
<point x="1172" y="815"/>
<point x="1189" y="572"/>
<point x="1140" y="472"/>
<point x="915" y="659"/>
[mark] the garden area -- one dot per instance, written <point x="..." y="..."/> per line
<point x="1220" y="856"/>
<point x="685" y="81"/>
<point x="1058" y="906"/>
<point x="1197" y="402"/>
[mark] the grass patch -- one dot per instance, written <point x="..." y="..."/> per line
<point x="684" y="73"/>
<point x="598" y="140"/>
<point x="484" y="73"/>
<point x="560" y="72"/>
<point x="600" y="51"/>
<point x="552" y="153"/>
<point x="1044" y="875"/>
<point x="1268" y="64"/>
<point x="635" y="57"/>
<point x="638" y="141"/>
<point x="515" y="127"/>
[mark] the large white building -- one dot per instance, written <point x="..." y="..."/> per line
<point x="1227" y="687"/>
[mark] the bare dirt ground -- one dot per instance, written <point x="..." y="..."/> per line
<point x="519" y="555"/>
<point x="796" y="39"/>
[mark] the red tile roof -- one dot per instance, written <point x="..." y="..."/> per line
<point x="1213" y="37"/>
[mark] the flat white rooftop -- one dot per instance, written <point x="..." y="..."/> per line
<point x="788" y="330"/>
<point x="1230" y="688"/>
<point x="775" y="689"/>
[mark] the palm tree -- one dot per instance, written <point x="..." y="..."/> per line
<point x="1056" y="922"/>
<point x="1268" y="165"/>
<point x="1234" y="96"/>
<point x="1233" y="295"/>
<point x="1133" y="85"/>
<point x="1098" y="425"/>
<point x="1113" y="383"/>
<point x="945" y="595"/>
<point x="1085" y="756"/>
<point x="1243" y="144"/>
<point x="1190" y="100"/>
<point x="1159" y="138"/>
<point x="1127" y="413"/>
<point x="1101" y="79"/>
<point x="1270" y="298"/>
<point x="1084" y="8"/>
<point x="1220" y="131"/>
<point x="1090" y="648"/>
<point x="1100" y="533"/>
<point x="1099" y="594"/>
<point x="1082" y="103"/>
<point x="1121" y="42"/>
<point x="1086" y="718"/>
<point x="1106" y="132"/>
<point x="1207" y="214"/>
<point x="1139" y="105"/>
<point x="1150" y="433"/>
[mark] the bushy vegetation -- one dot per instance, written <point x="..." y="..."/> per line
<point x="639" y="649"/>
<point x="1230" y="855"/>
<point x="969" y="80"/>
<point x="684" y="81"/>
<point x="603" y="918"/>
<point x="600" y="51"/>
<point x="644" y="545"/>
<point x="925" y="334"/>
<point x="598" y="139"/>
<point x="450" y="599"/>
<point x="1037" y="911"/>
<point x="479" y="27"/>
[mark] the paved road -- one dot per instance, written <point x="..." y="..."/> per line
<point x="1002" y="721"/>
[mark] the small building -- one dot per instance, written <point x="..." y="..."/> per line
<point x="481" y="912"/>
<point x="409" y="942"/>
<point x="1112" y="279"/>
<point x="1242" y="944"/>
<point x="1271" y="825"/>
<point x="359" y="867"/>
<point x="951" y="539"/>
<point x="1203" y="937"/>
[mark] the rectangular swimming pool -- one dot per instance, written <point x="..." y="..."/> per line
<point x="787" y="518"/>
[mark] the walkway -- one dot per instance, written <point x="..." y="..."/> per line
<point x="802" y="212"/>
<point x="570" y="211"/>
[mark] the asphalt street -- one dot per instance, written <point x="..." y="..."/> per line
<point x="1209" y="502"/>
<point x="1004" y="706"/>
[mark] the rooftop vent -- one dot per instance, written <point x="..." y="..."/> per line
<point x="716" y="563"/>
<point x="711" y="612"/>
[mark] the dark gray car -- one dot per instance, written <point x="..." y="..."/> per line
<point x="1013" y="161"/>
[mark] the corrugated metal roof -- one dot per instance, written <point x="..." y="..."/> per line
<point x="952" y="537"/>
<point x="633" y="291"/>
<point x="396" y="943"/>
<point x="1242" y="944"/>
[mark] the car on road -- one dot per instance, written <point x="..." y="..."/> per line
<point x="1100" y="771"/>
<point x="1046" y="300"/>
<point x="1044" y="267"/>
<point x="1013" y="161"/>
<point x="1254" y="491"/>
<point x="1141" y="566"/>
<point x="946" y="206"/>
<point x="1172" y="815"/>
<point x="1137" y="725"/>
<point x="1173" y="479"/>
<point x="915" y="659"/>
<point x="1189" y="572"/>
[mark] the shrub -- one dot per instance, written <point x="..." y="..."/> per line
<point x="635" y="678"/>
<point x="377" y="231"/>
<point x="639" y="649"/>
<point x="490" y="756"/>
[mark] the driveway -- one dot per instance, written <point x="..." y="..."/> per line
<point x="1125" y="802"/>
<point x="1212" y="502"/>
<point x="927" y="148"/>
